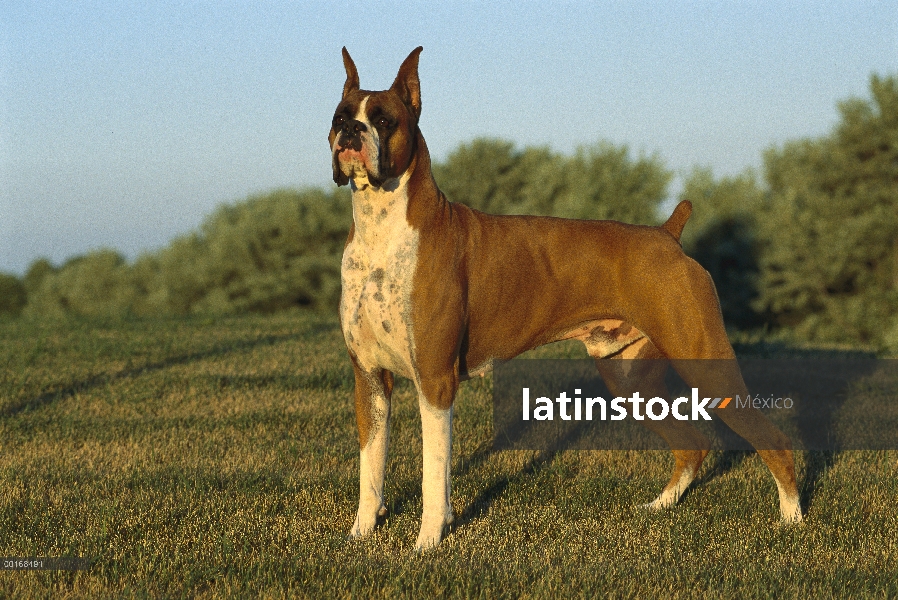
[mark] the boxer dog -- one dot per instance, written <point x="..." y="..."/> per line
<point x="436" y="291"/>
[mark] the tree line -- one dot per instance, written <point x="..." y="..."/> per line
<point x="809" y="246"/>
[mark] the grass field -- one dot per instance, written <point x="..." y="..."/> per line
<point x="218" y="458"/>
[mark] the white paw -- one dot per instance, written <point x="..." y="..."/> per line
<point x="365" y="520"/>
<point x="432" y="529"/>
<point x="790" y="511"/>
<point x="664" y="500"/>
<point x="790" y="507"/>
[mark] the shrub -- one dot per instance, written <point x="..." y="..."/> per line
<point x="12" y="295"/>
<point x="830" y="269"/>
<point x="598" y="182"/>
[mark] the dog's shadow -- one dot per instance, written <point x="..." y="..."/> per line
<point x="480" y="505"/>
<point x="408" y="496"/>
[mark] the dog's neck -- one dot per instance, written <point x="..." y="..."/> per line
<point x="379" y="212"/>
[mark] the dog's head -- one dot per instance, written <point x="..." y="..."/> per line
<point x="372" y="135"/>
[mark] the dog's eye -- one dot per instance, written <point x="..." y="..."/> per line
<point x="338" y="121"/>
<point x="382" y="123"/>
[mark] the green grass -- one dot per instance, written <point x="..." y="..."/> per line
<point x="218" y="458"/>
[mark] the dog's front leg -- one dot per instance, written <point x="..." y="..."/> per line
<point x="435" y="401"/>
<point x="372" y="410"/>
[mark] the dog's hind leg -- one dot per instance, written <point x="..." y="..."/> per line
<point x="624" y="375"/>
<point x="723" y="378"/>
<point x="716" y="373"/>
<point x="372" y="410"/>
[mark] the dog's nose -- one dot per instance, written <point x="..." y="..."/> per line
<point x="354" y="127"/>
<point x="351" y="134"/>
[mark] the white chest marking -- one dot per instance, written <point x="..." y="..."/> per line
<point x="377" y="271"/>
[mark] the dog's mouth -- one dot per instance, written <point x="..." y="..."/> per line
<point x="356" y="164"/>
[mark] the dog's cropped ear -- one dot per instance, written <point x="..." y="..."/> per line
<point x="352" y="74"/>
<point x="407" y="84"/>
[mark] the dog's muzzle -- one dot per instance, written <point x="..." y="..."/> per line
<point x="352" y="158"/>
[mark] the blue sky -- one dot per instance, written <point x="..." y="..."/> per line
<point x="124" y="124"/>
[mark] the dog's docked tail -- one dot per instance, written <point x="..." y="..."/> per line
<point x="676" y="222"/>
